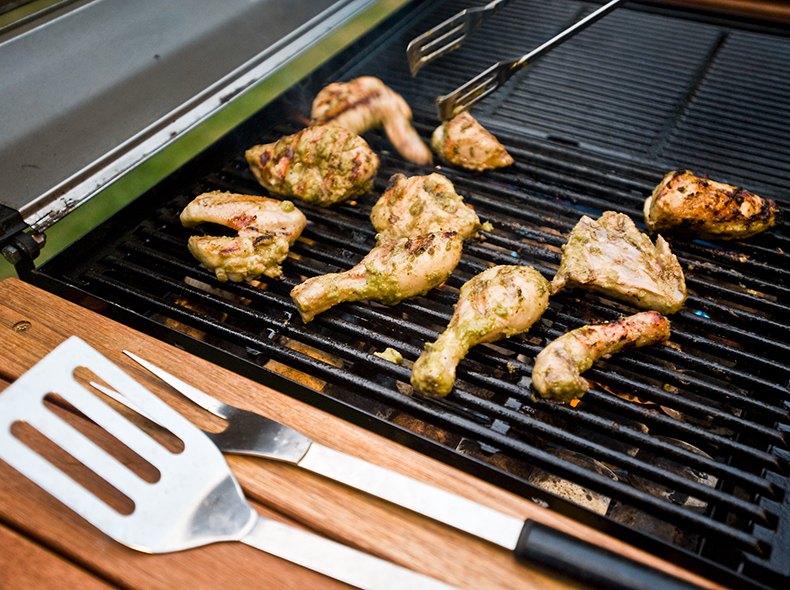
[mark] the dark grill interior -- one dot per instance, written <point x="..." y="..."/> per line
<point x="682" y="448"/>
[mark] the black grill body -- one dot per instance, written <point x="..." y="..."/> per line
<point x="688" y="442"/>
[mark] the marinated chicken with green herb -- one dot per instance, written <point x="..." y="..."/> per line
<point x="687" y="204"/>
<point x="391" y="272"/>
<point x="558" y="367"/>
<point x="321" y="165"/>
<point x="422" y="204"/>
<point x="613" y="257"/>
<point x="366" y="103"/>
<point x="464" y="142"/>
<point x="498" y="303"/>
<point x="266" y="228"/>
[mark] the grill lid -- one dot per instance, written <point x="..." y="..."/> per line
<point x="93" y="88"/>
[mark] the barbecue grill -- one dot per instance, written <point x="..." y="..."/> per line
<point x="681" y="449"/>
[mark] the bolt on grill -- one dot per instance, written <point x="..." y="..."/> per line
<point x="680" y="448"/>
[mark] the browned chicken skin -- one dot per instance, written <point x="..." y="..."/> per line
<point x="422" y="204"/>
<point x="465" y="142"/>
<point x="366" y="103"/>
<point x="611" y="256"/>
<point x="558" y="367"/>
<point x="391" y="272"/>
<point x="267" y="228"/>
<point x="688" y="204"/>
<point x="322" y="165"/>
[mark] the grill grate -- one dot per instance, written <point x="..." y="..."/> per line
<point x="721" y="388"/>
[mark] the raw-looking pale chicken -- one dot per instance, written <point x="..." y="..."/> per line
<point x="422" y="204"/>
<point x="695" y="206"/>
<point x="392" y="271"/>
<point x="498" y="303"/>
<point x="267" y="228"/>
<point x="322" y="165"/>
<point x="613" y="257"/>
<point x="464" y="142"/>
<point x="558" y="367"/>
<point x="366" y="103"/>
<point x="241" y="258"/>
<point x="247" y="214"/>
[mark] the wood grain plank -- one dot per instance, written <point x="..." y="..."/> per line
<point x="331" y="509"/>
<point x="25" y="565"/>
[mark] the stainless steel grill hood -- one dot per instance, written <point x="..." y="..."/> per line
<point x="92" y="88"/>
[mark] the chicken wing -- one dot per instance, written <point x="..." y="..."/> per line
<point x="688" y="204"/>
<point x="247" y="214"/>
<point x="322" y="165"/>
<point x="422" y="204"/>
<point x="240" y="258"/>
<point x="465" y="142"/>
<point x="366" y="103"/>
<point x="613" y="257"/>
<point x="558" y="367"/>
<point x="267" y="228"/>
<point x="498" y="303"/>
<point x="392" y="271"/>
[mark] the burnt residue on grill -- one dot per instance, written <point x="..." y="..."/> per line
<point x="682" y="448"/>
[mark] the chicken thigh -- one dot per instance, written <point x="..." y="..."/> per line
<point x="465" y="142"/>
<point x="392" y="271"/>
<point x="422" y="204"/>
<point x="558" y="367"/>
<point x="241" y="258"/>
<point x="498" y="303"/>
<point x="685" y="203"/>
<point x="366" y="103"/>
<point x="322" y="165"/>
<point x="613" y="257"/>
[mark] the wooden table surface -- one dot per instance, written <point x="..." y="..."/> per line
<point x="44" y="545"/>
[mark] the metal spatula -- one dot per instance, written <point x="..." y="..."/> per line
<point x="196" y="500"/>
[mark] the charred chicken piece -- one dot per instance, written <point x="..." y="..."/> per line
<point x="558" y="367"/>
<point x="322" y="165"/>
<point x="267" y="228"/>
<point x="241" y="258"/>
<point x="366" y="103"/>
<point x="498" y="303"/>
<point x="692" y="205"/>
<point x="464" y="142"/>
<point x="248" y="214"/>
<point x="392" y="271"/>
<point x="613" y="257"/>
<point x="422" y="204"/>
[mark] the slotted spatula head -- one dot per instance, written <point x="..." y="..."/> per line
<point x="195" y="500"/>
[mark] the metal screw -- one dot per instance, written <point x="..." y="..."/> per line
<point x="12" y="254"/>
<point x="22" y="326"/>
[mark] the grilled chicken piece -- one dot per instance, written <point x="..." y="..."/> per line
<point x="248" y="214"/>
<point x="497" y="303"/>
<point x="241" y="258"/>
<point x="392" y="271"/>
<point x="422" y="204"/>
<point x="688" y="204"/>
<point x="366" y="103"/>
<point x="322" y="165"/>
<point x="267" y="228"/>
<point x="465" y="142"/>
<point x="613" y="257"/>
<point x="558" y="367"/>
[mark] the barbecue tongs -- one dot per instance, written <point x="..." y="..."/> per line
<point x="452" y="32"/>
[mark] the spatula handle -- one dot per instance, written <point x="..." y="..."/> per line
<point x="337" y="561"/>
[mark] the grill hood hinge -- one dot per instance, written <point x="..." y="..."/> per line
<point x="18" y="247"/>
